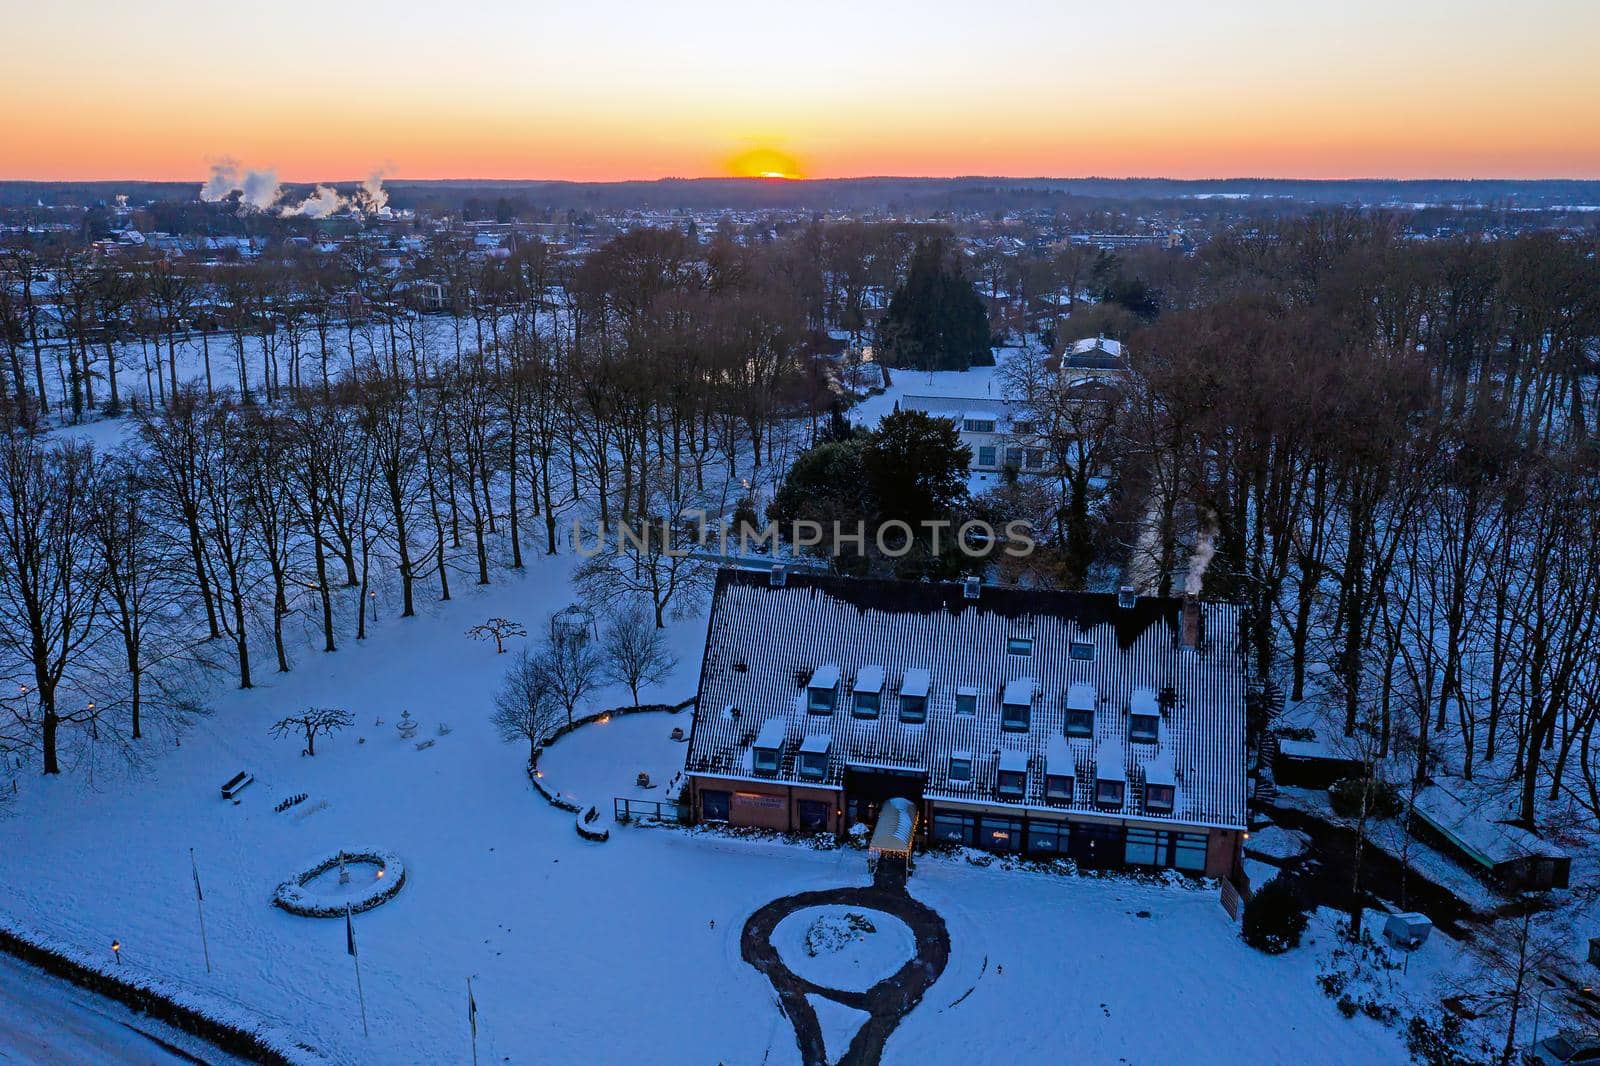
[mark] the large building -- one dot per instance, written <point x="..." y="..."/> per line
<point x="1103" y="728"/>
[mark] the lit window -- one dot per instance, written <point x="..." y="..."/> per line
<point x="1108" y="793"/>
<point x="1019" y="646"/>
<point x="1158" y="797"/>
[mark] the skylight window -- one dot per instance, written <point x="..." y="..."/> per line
<point x="1020" y="646"/>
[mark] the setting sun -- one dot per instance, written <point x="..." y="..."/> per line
<point x="764" y="163"/>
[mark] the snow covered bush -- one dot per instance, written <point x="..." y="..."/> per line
<point x="1344" y="796"/>
<point x="1274" y="918"/>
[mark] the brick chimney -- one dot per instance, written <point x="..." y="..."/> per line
<point x="1190" y="627"/>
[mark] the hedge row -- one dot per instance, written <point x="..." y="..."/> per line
<point x="218" y="1022"/>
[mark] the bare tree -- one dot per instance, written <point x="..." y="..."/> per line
<point x="50" y="594"/>
<point x="568" y="667"/>
<point x="324" y="721"/>
<point x="635" y="652"/>
<point x="499" y="630"/>
<point x="525" y="708"/>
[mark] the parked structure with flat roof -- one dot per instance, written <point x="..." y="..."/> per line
<point x="1050" y="723"/>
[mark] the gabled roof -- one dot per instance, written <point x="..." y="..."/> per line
<point x="763" y="644"/>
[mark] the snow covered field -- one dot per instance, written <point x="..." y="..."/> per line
<point x="619" y="952"/>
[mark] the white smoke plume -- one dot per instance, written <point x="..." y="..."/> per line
<point x="320" y="204"/>
<point x="223" y="180"/>
<point x="258" y="189"/>
<point x="1205" y="547"/>
<point x="372" y="197"/>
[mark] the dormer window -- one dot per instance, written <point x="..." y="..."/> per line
<point x="1158" y="798"/>
<point x="822" y="690"/>
<point x="960" y="766"/>
<point x="767" y="748"/>
<point x="913" y="709"/>
<point x="1080" y="723"/>
<point x="1016" y="705"/>
<point x="1108" y="793"/>
<point x="1019" y="646"/>
<point x="1081" y="700"/>
<point x="1058" y="787"/>
<point x="1011" y="781"/>
<point x="1110" y="775"/>
<point x="1144" y="716"/>
<point x="868" y="692"/>
<point x="813" y="760"/>
<point x="1081" y="650"/>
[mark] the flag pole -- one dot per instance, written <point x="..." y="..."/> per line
<point x="200" y="906"/>
<point x="350" y="944"/>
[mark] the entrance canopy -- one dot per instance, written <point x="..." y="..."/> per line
<point x="896" y="828"/>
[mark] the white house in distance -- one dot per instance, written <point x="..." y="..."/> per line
<point x="999" y="432"/>
<point x="1099" y="359"/>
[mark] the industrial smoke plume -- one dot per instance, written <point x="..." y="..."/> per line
<point x="259" y="190"/>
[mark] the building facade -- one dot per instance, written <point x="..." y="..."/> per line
<point x="1102" y="728"/>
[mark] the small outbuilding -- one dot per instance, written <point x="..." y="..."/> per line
<point x="1408" y="929"/>
<point x="1508" y="855"/>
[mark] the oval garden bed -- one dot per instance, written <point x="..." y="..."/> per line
<point x="375" y="876"/>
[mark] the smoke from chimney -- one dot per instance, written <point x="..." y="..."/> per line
<point x="1204" y="548"/>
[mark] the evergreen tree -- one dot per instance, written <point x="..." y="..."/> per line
<point x="936" y="320"/>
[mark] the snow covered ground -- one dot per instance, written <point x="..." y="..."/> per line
<point x="604" y="953"/>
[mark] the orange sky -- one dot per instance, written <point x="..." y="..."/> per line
<point x="610" y="90"/>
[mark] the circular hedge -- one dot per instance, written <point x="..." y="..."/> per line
<point x="292" y="896"/>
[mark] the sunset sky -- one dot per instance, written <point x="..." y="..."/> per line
<point x="601" y="89"/>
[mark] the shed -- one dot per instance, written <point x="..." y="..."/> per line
<point x="1506" y="854"/>
<point x="1408" y="929"/>
<point x="1311" y="764"/>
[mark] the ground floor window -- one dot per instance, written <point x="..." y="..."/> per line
<point x="1189" y="851"/>
<point x="813" y="814"/>
<point x="951" y="827"/>
<point x="714" y="806"/>
<point x="1158" y="847"/>
<point x="1000" y="834"/>
<point x="1048" y="838"/>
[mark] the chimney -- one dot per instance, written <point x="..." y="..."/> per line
<point x="1127" y="596"/>
<point x="1191" y="624"/>
<point x="777" y="577"/>
<point x="971" y="585"/>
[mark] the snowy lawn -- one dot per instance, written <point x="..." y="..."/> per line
<point x="620" y="952"/>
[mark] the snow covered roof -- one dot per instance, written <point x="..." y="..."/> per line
<point x="773" y="732"/>
<point x="824" y="676"/>
<point x="1081" y="696"/>
<point x="1058" y="758"/>
<point x="1158" y="771"/>
<point x="1019" y="691"/>
<point x="1143" y="701"/>
<point x="1013" y="761"/>
<point x="1487" y="841"/>
<point x="869" y="679"/>
<point x="897" y="825"/>
<point x="764" y="642"/>
<point x="1108" y="764"/>
<point x="816" y="744"/>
